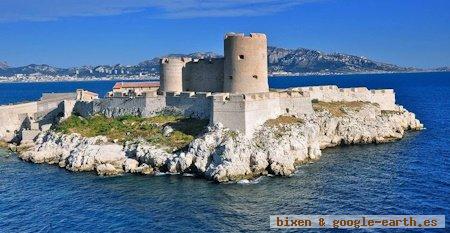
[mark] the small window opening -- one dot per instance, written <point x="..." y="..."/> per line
<point x="231" y="77"/>
<point x="241" y="57"/>
<point x="287" y="110"/>
<point x="255" y="76"/>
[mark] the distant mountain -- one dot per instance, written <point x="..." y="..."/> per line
<point x="3" y="65"/>
<point x="443" y="69"/>
<point x="280" y="60"/>
<point x="311" y="61"/>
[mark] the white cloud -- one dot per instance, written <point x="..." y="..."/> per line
<point x="45" y="10"/>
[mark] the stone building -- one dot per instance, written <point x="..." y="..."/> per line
<point x="242" y="70"/>
<point x="133" y="88"/>
<point x="232" y="91"/>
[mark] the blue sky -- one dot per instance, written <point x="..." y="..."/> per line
<point x="90" y="32"/>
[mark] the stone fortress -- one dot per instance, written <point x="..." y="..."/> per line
<point x="232" y="90"/>
<point x="242" y="70"/>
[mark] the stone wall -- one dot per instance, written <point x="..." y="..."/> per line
<point x="203" y="75"/>
<point x="121" y="106"/>
<point x="190" y="104"/>
<point x="13" y="117"/>
<point x="385" y="98"/>
<point x="245" y="112"/>
<point x="17" y="117"/>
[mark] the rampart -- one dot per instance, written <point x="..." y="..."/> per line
<point x="203" y="75"/>
<point x="385" y="98"/>
<point x="32" y="115"/>
<point x="145" y="105"/>
<point x="190" y="104"/>
<point x="245" y="112"/>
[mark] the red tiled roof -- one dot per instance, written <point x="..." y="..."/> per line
<point x="135" y="85"/>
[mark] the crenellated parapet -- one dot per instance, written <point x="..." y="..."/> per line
<point x="242" y="35"/>
<point x="246" y="111"/>
<point x="385" y="98"/>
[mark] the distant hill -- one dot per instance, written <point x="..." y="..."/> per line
<point x="443" y="69"/>
<point x="3" y="65"/>
<point x="312" y="61"/>
<point x="299" y="60"/>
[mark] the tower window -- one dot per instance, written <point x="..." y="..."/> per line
<point x="231" y="77"/>
<point x="241" y="57"/>
<point x="255" y="76"/>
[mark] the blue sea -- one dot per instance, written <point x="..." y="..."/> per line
<point x="411" y="176"/>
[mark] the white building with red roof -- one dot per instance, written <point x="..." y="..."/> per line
<point x="133" y="88"/>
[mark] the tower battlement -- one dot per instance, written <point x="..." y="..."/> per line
<point x="207" y="60"/>
<point x="168" y="60"/>
<point x="242" y="35"/>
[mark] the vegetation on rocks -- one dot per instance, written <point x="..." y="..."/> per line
<point x="283" y="120"/>
<point x="339" y="108"/>
<point x="3" y="144"/>
<point x="129" y="128"/>
<point x="390" y="112"/>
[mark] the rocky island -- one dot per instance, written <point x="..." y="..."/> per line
<point x="214" y="118"/>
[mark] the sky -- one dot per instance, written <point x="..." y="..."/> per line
<point x="413" y="33"/>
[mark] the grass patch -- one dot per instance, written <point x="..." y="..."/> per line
<point x="128" y="128"/>
<point x="283" y="120"/>
<point x="339" y="108"/>
<point x="4" y="144"/>
<point x="390" y="112"/>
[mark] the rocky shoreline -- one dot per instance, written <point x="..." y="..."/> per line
<point x="223" y="155"/>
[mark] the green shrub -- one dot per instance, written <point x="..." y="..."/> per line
<point x="128" y="128"/>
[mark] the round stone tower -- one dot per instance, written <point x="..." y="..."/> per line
<point x="171" y="73"/>
<point x="245" y="66"/>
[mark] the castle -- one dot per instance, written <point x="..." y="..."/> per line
<point x="232" y="90"/>
<point x="242" y="70"/>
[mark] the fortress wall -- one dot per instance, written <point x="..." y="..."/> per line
<point x="385" y="98"/>
<point x="84" y="108"/>
<point x="296" y="105"/>
<point x="47" y="110"/>
<point x="58" y="96"/>
<point x="12" y="118"/>
<point x="245" y="112"/>
<point x="230" y="111"/>
<point x="204" y="75"/>
<point x="258" y="111"/>
<point x="68" y="107"/>
<point x="190" y="104"/>
<point x="121" y="106"/>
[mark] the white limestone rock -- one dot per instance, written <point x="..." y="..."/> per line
<point x="223" y="155"/>
<point x="74" y="152"/>
<point x="107" y="169"/>
<point x="167" y="130"/>
<point x="130" y="165"/>
<point x="367" y="125"/>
